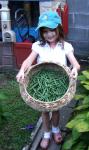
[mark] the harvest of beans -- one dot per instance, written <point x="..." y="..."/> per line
<point x="48" y="85"/>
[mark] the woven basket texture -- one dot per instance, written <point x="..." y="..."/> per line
<point x="54" y="105"/>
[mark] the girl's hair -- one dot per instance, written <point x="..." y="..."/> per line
<point x="60" y="36"/>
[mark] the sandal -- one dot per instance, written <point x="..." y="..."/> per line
<point x="45" y="143"/>
<point x="45" y="140"/>
<point x="57" y="137"/>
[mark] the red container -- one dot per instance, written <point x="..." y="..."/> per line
<point x="64" y="15"/>
<point x="21" y="52"/>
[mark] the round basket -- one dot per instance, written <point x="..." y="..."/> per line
<point x="53" y="105"/>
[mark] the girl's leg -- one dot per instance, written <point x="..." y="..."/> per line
<point x="46" y="121"/>
<point x="55" y="127"/>
<point x="46" y="126"/>
<point x="55" y="118"/>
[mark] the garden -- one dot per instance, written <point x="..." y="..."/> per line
<point x="17" y="120"/>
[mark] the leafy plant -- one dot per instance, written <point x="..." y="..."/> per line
<point x="79" y="123"/>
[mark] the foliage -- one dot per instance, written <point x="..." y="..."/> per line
<point x="79" y="123"/>
<point x="16" y="115"/>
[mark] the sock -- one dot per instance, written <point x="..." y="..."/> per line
<point x="47" y="135"/>
<point x="55" y="129"/>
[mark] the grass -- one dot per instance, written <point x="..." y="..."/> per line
<point x="16" y="115"/>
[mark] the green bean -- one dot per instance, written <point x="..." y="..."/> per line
<point x="48" y="85"/>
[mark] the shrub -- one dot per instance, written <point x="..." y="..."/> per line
<point x="78" y="139"/>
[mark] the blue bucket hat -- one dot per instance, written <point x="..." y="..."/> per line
<point x="49" y="19"/>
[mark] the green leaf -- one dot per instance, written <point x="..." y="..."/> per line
<point x="75" y="134"/>
<point x="86" y="86"/>
<point x="87" y="114"/>
<point x="86" y="73"/>
<point x="81" y="115"/>
<point x="82" y="125"/>
<point x="71" y="124"/>
<point x="85" y="82"/>
<point x="79" y="146"/>
<point x="68" y="144"/>
<point x="86" y="100"/>
<point x="82" y="107"/>
<point x="75" y="123"/>
<point x="79" y="96"/>
<point x="81" y="77"/>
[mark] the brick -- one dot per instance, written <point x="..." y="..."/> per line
<point x="7" y="51"/>
<point x="78" y="5"/>
<point x="0" y="61"/>
<point x="81" y="48"/>
<point x="78" y="34"/>
<point x="6" y="60"/>
<point x="79" y="19"/>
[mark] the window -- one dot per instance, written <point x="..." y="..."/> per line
<point x="31" y="8"/>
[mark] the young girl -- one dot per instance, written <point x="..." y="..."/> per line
<point x="50" y="48"/>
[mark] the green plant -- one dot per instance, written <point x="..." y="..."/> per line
<point x="2" y="115"/>
<point x="17" y="115"/>
<point x="78" y="139"/>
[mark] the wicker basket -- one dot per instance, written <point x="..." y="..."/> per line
<point x="47" y="106"/>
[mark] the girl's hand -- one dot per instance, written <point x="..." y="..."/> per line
<point x="20" y="76"/>
<point x="74" y="73"/>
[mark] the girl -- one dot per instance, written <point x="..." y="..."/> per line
<point x="50" y="48"/>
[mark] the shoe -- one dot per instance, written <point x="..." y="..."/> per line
<point x="57" y="137"/>
<point x="45" y="143"/>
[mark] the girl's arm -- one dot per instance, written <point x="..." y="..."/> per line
<point x="25" y="65"/>
<point x="75" y="64"/>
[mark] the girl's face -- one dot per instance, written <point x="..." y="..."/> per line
<point x="50" y="35"/>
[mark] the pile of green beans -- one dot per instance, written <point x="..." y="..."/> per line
<point x="48" y="85"/>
